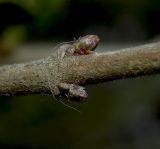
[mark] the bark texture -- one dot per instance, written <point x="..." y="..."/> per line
<point x="34" y="77"/>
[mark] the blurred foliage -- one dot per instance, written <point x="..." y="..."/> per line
<point x="120" y="114"/>
<point x="5" y="51"/>
<point x="36" y="7"/>
<point x="42" y="14"/>
<point x="53" y="18"/>
<point x="14" y="34"/>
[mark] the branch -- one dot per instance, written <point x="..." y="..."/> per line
<point x="42" y="75"/>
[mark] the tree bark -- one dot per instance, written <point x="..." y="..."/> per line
<point x="33" y="77"/>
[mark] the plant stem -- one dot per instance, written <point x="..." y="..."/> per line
<point x="32" y="77"/>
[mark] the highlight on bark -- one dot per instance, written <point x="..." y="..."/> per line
<point x="65" y="72"/>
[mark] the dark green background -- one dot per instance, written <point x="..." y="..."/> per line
<point x="119" y="114"/>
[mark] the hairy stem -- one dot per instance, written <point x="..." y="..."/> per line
<point x="32" y="77"/>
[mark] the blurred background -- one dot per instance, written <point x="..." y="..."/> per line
<point x="118" y="114"/>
